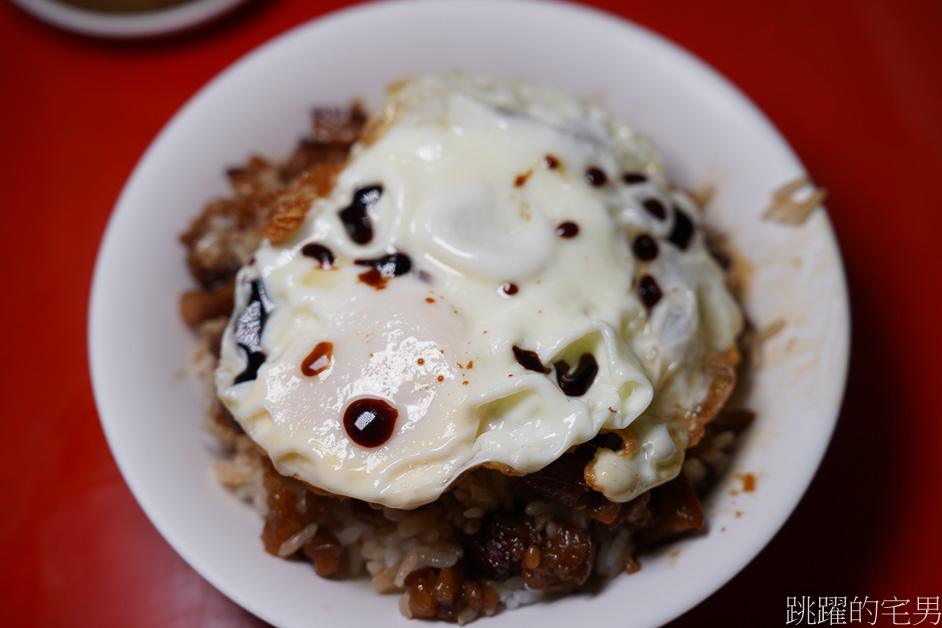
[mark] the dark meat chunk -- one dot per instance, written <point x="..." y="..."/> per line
<point x="736" y="420"/>
<point x="285" y="508"/>
<point x="421" y="583"/>
<point x="444" y="593"/>
<point x="564" y="481"/>
<point x="223" y="238"/>
<point x="497" y="549"/>
<point x="637" y="514"/>
<point x="436" y="593"/>
<point x="561" y="481"/>
<point x="564" y="557"/>
<point x="337" y="126"/>
<point x="292" y="506"/>
<point x="222" y="418"/>
<point x="367" y="513"/>
<point x="675" y="509"/>
<point x="448" y="591"/>
<point x="198" y="306"/>
<point x="325" y="551"/>
<point x="550" y="558"/>
<point x="333" y="132"/>
<point x="317" y="506"/>
<point x="256" y="179"/>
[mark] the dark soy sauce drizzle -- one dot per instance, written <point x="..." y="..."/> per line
<point x="655" y="208"/>
<point x="596" y="176"/>
<point x="248" y="331"/>
<point x="529" y="360"/>
<point x="388" y="266"/>
<point x="649" y="291"/>
<point x="683" y="229"/>
<point x="319" y="252"/>
<point x="356" y="219"/>
<point x="509" y="289"/>
<point x="576" y="383"/>
<point x="567" y="229"/>
<point x="318" y="360"/>
<point x="374" y="279"/>
<point x="255" y="360"/>
<point x="645" y="248"/>
<point x="370" y="422"/>
<point x="383" y="269"/>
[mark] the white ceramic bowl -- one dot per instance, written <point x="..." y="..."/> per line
<point x="707" y="131"/>
<point x="126" y="25"/>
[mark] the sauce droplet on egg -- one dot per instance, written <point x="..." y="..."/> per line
<point x="596" y="176"/>
<point x="567" y="229"/>
<point x="384" y="269"/>
<point x="321" y="253"/>
<point x="645" y="248"/>
<point x="356" y="219"/>
<point x="370" y="422"/>
<point x="633" y="177"/>
<point x="389" y="265"/>
<point x="318" y="360"/>
<point x="509" y="288"/>
<point x="683" y="229"/>
<point x="576" y="383"/>
<point x="255" y="360"/>
<point x="248" y="332"/>
<point x="649" y="291"/>
<point x="655" y="208"/>
<point x="529" y="360"/>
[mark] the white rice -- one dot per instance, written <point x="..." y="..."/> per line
<point x="297" y="540"/>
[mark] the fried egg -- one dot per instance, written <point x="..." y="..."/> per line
<point x="500" y="273"/>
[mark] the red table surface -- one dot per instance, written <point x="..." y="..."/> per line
<point x="856" y="87"/>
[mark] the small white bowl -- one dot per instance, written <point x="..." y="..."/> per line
<point x="126" y="24"/>
<point x="706" y="129"/>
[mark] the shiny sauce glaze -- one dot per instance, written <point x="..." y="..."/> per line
<point x="356" y="218"/>
<point x="655" y="208"/>
<point x="633" y="178"/>
<point x="370" y="422"/>
<point x="509" y="289"/>
<point x="644" y="248"/>
<point x="319" y="252"/>
<point x="383" y="269"/>
<point x="567" y="229"/>
<point x="529" y="360"/>
<point x="649" y="291"/>
<point x="575" y="383"/>
<point x="318" y="360"/>
<point x="596" y="176"/>
<point x="248" y="331"/>
<point x="682" y="231"/>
